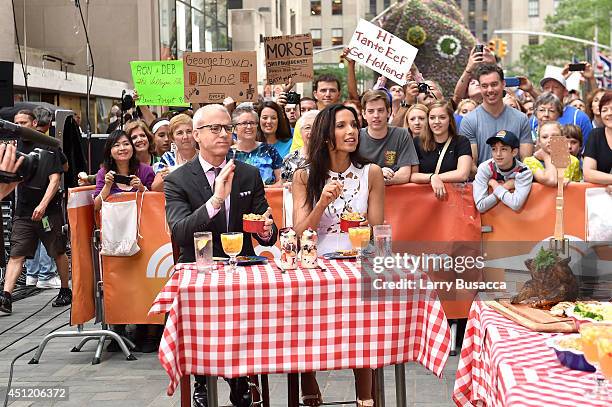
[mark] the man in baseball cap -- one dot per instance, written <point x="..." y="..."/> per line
<point x="554" y="82"/>
<point x="509" y="179"/>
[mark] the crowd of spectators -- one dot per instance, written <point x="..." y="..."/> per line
<point x="337" y="155"/>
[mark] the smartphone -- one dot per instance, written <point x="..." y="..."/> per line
<point x="577" y="67"/>
<point x="123" y="179"/>
<point x="479" y="48"/>
<point x="512" y="82"/>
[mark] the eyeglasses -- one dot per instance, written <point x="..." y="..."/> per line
<point x="216" y="128"/>
<point x="246" y="124"/>
<point x="544" y="110"/>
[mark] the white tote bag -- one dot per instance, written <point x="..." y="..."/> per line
<point x="121" y="227"/>
<point x="598" y="209"/>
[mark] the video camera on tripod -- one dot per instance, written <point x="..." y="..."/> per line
<point x="35" y="166"/>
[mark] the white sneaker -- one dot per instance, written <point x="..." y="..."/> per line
<point x="30" y="281"/>
<point x="53" y="282"/>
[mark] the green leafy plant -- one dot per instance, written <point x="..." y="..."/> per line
<point x="544" y="259"/>
<point x="416" y="36"/>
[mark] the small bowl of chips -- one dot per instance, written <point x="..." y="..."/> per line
<point x="253" y="223"/>
<point x="350" y="220"/>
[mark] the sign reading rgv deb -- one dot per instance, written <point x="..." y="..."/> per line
<point x="210" y="77"/>
<point x="288" y="57"/>
<point x="382" y="52"/>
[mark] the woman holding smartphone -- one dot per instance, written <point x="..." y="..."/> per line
<point x="120" y="171"/>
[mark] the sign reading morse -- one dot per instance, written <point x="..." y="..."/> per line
<point x="288" y="57"/>
<point x="210" y="77"/>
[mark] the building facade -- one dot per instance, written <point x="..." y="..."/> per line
<point x="54" y="52"/>
<point x="483" y="17"/>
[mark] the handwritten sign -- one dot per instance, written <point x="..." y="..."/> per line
<point x="158" y="83"/>
<point x="210" y="77"/>
<point x="288" y="57"/>
<point x="381" y="51"/>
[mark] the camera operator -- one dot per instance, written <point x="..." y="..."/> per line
<point x="38" y="216"/>
<point x="8" y="164"/>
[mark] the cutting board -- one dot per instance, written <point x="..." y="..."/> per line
<point x="532" y="318"/>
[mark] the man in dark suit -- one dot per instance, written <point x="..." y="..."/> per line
<point x="210" y="193"/>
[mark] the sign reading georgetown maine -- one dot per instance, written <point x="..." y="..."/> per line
<point x="382" y="52"/>
<point x="210" y="77"/>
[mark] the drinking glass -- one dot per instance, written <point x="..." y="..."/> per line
<point x="359" y="237"/>
<point x="202" y="241"/>
<point x="589" y="334"/>
<point x="604" y="352"/>
<point x="382" y="240"/>
<point x="232" y="246"/>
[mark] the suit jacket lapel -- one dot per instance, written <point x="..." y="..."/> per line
<point x="199" y="180"/>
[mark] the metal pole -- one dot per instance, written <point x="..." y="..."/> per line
<point x="546" y="34"/>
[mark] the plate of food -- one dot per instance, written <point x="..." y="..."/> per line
<point x="244" y="260"/>
<point x="583" y="312"/>
<point x="341" y="255"/>
<point x="568" y="349"/>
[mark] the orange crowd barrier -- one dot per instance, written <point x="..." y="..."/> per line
<point x="131" y="283"/>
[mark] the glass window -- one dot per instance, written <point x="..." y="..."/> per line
<point x="472" y="23"/>
<point x="386" y="3"/>
<point x="315" y="7"/>
<point x="485" y="37"/>
<point x="533" y="8"/>
<point x="373" y="7"/>
<point x="534" y="40"/>
<point x="472" y="5"/>
<point x="197" y="31"/>
<point x="337" y="7"/>
<point x="316" y="37"/>
<point x="485" y="6"/>
<point x="167" y="30"/>
<point x="183" y="27"/>
<point x="337" y="36"/>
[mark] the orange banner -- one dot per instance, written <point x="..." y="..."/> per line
<point x="131" y="283"/>
<point x="81" y="220"/>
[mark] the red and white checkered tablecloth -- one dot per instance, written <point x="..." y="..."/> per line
<point x="262" y="321"/>
<point x="505" y="364"/>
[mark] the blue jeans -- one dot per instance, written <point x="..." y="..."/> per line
<point x="41" y="266"/>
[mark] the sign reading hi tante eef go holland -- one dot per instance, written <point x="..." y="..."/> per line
<point x="381" y="51"/>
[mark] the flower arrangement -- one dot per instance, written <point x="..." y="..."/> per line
<point x="447" y="38"/>
<point x="416" y="36"/>
<point x="448" y="46"/>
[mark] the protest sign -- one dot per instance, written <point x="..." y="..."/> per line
<point x="381" y="51"/>
<point x="288" y="57"/>
<point x="158" y="83"/>
<point x="210" y="77"/>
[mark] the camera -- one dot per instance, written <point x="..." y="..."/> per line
<point x="423" y="87"/>
<point x="293" y="98"/>
<point x="127" y="101"/>
<point x="36" y="164"/>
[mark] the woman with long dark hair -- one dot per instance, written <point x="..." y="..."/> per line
<point x="274" y="128"/>
<point x="120" y="158"/>
<point x="336" y="180"/>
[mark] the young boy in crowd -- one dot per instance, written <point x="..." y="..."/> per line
<point x="541" y="164"/>
<point x="573" y="134"/>
<point x="502" y="173"/>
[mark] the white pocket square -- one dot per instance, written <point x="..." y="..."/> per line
<point x="245" y="193"/>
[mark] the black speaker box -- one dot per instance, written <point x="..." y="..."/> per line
<point x="6" y="84"/>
